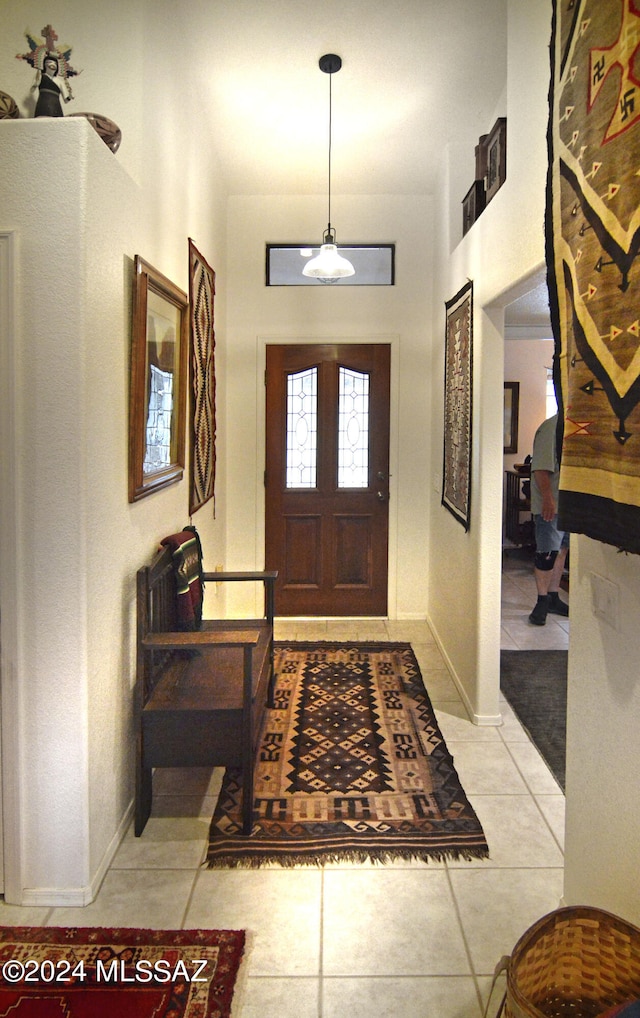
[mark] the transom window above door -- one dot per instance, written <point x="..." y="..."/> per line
<point x="374" y="264"/>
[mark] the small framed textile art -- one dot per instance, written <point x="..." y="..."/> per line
<point x="202" y="288"/>
<point x="496" y="157"/>
<point x="472" y="205"/>
<point x="158" y="382"/>
<point x="458" y="365"/>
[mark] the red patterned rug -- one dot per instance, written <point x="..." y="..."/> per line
<point x="117" y="973"/>
<point x="351" y="766"/>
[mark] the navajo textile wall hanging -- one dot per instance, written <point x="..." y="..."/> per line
<point x="202" y="288"/>
<point x="593" y="237"/>
<point x="458" y="364"/>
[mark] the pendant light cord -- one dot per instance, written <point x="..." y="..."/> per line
<point x="329" y="210"/>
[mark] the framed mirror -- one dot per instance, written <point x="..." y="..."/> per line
<point x="158" y="382"/>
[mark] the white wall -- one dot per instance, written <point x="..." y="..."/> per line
<point x="398" y="314"/>
<point x="55" y="413"/>
<point x="79" y="214"/>
<point x="501" y="251"/>
<point x="603" y="759"/>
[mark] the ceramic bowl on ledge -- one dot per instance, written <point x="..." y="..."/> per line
<point x="106" y="128"/>
<point x="8" y="107"/>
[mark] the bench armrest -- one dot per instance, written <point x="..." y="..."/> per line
<point x="201" y="638"/>
<point x="268" y="577"/>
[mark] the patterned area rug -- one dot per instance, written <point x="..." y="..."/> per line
<point x="351" y="766"/>
<point x="593" y="242"/>
<point x="55" y="972"/>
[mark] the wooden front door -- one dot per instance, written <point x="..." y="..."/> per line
<point x="327" y="478"/>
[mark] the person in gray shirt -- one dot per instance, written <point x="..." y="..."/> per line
<point x="551" y="544"/>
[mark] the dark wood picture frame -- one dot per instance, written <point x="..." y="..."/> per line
<point x="458" y="405"/>
<point x="157" y="395"/>
<point x="472" y="205"/>
<point x="510" y="416"/>
<point x="496" y="158"/>
<point x="481" y="157"/>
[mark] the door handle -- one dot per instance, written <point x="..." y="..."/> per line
<point x="381" y="496"/>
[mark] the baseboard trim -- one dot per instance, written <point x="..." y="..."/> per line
<point x="112" y="848"/>
<point x="400" y="617"/>
<point x="482" y="720"/>
<point x="78" y="897"/>
<point x="56" y="897"/>
<point x="487" y="720"/>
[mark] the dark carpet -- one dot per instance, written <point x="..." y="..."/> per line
<point x="535" y="684"/>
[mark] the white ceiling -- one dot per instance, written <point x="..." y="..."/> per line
<point x="528" y="316"/>
<point x="416" y="75"/>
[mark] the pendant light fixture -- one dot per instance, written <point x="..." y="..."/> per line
<point x="329" y="266"/>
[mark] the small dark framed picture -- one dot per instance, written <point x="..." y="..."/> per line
<point x="481" y="157"/>
<point x="511" y="407"/>
<point x="472" y="205"/>
<point x="496" y="157"/>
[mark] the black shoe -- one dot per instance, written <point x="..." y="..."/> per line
<point x="557" y="607"/>
<point x="538" y="616"/>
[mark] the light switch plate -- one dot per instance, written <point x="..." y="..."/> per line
<point x="605" y="599"/>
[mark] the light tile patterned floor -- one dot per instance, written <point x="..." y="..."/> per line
<point x="404" y="940"/>
<point x="518" y="598"/>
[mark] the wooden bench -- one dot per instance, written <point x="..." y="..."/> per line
<point x="201" y="694"/>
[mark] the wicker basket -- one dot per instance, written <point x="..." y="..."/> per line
<point x="576" y="961"/>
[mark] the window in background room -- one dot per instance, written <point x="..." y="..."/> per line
<point x="552" y="403"/>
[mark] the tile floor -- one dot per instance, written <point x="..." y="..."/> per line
<point x="404" y="940"/>
<point x="518" y="598"/>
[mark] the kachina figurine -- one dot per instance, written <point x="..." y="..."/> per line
<point x="53" y="70"/>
